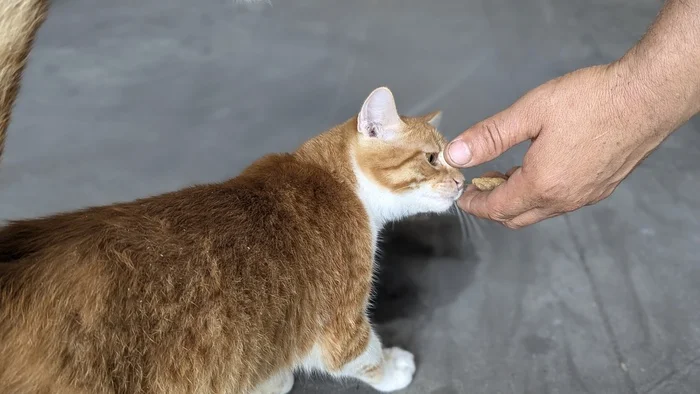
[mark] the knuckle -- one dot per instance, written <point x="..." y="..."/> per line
<point x="512" y="225"/>
<point x="548" y="190"/>
<point x="498" y="214"/>
<point x="569" y="207"/>
<point x="469" y="205"/>
<point x="492" y="138"/>
<point x="609" y="191"/>
<point x="566" y="202"/>
<point x="574" y="203"/>
<point x="601" y="196"/>
<point x="540" y="190"/>
<point x="543" y="185"/>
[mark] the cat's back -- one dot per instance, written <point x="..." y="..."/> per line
<point x="277" y="198"/>
<point x="280" y="219"/>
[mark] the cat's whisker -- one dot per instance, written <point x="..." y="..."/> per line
<point x="476" y="224"/>
<point x="468" y="225"/>
<point x="472" y="225"/>
<point x="463" y="225"/>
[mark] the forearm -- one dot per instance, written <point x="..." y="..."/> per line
<point x="663" y="69"/>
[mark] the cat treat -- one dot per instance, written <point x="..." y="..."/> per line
<point x="487" y="183"/>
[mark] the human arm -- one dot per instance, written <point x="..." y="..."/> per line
<point x="590" y="128"/>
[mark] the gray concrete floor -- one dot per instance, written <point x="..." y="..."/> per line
<point x="128" y="98"/>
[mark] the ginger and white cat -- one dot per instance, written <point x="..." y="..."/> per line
<point x="219" y="288"/>
<point x="225" y="287"/>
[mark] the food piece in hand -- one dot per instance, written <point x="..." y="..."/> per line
<point x="487" y="183"/>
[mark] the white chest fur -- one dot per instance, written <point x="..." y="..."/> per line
<point x="381" y="204"/>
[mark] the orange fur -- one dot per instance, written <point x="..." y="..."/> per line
<point x="397" y="165"/>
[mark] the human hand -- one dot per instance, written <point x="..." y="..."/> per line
<point x="589" y="129"/>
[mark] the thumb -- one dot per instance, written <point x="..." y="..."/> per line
<point x="489" y="138"/>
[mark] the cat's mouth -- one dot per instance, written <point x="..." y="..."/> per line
<point x="452" y="195"/>
<point x="456" y="193"/>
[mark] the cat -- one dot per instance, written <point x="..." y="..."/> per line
<point x="227" y="287"/>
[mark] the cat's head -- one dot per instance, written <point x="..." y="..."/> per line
<point x="399" y="163"/>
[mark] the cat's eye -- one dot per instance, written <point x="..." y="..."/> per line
<point x="432" y="158"/>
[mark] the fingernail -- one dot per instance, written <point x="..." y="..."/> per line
<point x="459" y="153"/>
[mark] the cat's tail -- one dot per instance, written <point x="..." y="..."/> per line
<point x="19" y="22"/>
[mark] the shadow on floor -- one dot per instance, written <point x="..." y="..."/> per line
<point x="424" y="262"/>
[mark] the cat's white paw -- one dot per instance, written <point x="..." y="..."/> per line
<point x="281" y="383"/>
<point x="399" y="368"/>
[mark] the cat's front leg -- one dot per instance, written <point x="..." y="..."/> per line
<point x="355" y="350"/>
<point x="279" y="383"/>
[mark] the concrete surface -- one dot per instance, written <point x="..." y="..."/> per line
<point x="134" y="97"/>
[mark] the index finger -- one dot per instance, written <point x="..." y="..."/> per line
<point x="503" y="203"/>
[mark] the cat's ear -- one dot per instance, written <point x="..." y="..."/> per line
<point x="378" y="117"/>
<point x="434" y="118"/>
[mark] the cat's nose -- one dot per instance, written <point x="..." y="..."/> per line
<point x="459" y="182"/>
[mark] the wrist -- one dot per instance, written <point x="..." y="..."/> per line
<point x="663" y="68"/>
<point x="650" y="87"/>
